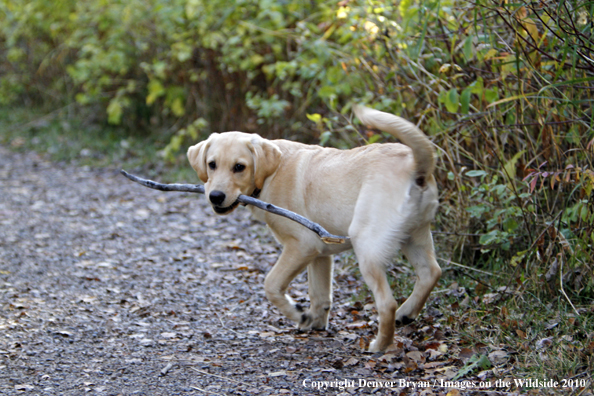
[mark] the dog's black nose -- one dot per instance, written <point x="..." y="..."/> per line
<point x="217" y="197"/>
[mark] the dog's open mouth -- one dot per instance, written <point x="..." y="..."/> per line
<point x="225" y="210"/>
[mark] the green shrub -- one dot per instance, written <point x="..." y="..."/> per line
<point x="503" y="89"/>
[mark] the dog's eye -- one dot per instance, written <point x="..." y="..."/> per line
<point x="212" y="165"/>
<point x="238" y="168"/>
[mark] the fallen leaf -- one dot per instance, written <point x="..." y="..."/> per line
<point x="417" y="356"/>
<point x="356" y="325"/>
<point x="498" y="357"/>
<point x="466" y="353"/>
<point x="337" y="364"/>
<point x="411" y="365"/>
<point x="362" y="343"/>
<point x="432" y="345"/>
<point x="431" y="365"/>
<point x="433" y="354"/>
<point x="395" y="348"/>
<point x="551" y="325"/>
<point x="491" y="298"/>
<point x="544" y="342"/>
<point x="370" y="364"/>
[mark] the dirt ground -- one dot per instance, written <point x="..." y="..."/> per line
<point x="109" y="288"/>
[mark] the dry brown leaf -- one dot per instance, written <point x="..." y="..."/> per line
<point x="394" y="349"/>
<point x="466" y="353"/>
<point x="433" y="354"/>
<point x="410" y="366"/>
<point x="362" y="343"/>
<point x="388" y="357"/>
<point x="370" y="364"/>
<point x="432" y="365"/>
<point x="432" y="345"/>
<point x="417" y="356"/>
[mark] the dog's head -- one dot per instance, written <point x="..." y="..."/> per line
<point x="231" y="164"/>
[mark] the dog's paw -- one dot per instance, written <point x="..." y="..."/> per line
<point x="306" y="321"/>
<point x="404" y="320"/>
<point x="405" y="315"/>
<point x="309" y="322"/>
<point x="379" y="346"/>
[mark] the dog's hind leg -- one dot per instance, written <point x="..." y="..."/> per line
<point x="319" y="274"/>
<point x="291" y="263"/>
<point x="419" y="251"/>
<point x="375" y="277"/>
<point x="370" y="248"/>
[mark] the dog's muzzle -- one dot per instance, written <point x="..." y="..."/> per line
<point x="217" y="198"/>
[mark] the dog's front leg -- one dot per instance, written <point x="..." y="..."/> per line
<point x="319" y="274"/>
<point x="291" y="263"/>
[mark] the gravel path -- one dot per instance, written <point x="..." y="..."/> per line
<point x="110" y="288"/>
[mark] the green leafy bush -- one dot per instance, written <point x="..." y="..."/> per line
<point x="502" y="88"/>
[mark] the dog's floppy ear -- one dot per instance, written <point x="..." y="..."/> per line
<point x="197" y="157"/>
<point x="267" y="157"/>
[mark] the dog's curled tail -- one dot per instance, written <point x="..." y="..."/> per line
<point x="407" y="132"/>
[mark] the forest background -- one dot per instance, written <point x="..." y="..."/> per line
<point x="504" y="89"/>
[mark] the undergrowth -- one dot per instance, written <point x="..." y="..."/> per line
<point x="68" y="137"/>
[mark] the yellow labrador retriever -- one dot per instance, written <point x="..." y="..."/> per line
<point x="383" y="196"/>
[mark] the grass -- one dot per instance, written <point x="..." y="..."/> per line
<point x="544" y="337"/>
<point x="70" y="138"/>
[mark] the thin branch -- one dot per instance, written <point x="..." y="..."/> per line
<point x="559" y="20"/>
<point x="204" y="390"/>
<point x="536" y="48"/>
<point x="199" y="189"/>
<point x="562" y="289"/>
<point x="468" y="268"/>
<point x="218" y="376"/>
<point x="44" y="117"/>
<point x="576" y="31"/>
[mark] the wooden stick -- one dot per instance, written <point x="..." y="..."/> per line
<point x="324" y="235"/>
